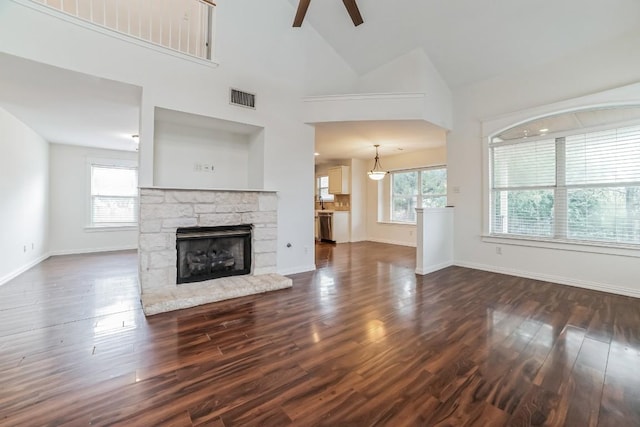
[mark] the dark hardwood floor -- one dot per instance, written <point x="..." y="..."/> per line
<point x="361" y="341"/>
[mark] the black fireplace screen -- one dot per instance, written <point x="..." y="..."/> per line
<point x="211" y="252"/>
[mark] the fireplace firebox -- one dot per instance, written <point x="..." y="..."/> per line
<point x="205" y="253"/>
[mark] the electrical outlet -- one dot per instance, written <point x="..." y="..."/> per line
<point x="197" y="167"/>
<point x="32" y="246"/>
<point x="498" y="250"/>
<point x="24" y="248"/>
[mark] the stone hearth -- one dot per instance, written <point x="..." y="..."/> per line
<point x="163" y="211"/>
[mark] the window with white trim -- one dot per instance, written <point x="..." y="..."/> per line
<point x="113" y="195"/>
<point x="426" y="188"/>
<point x="582" y="186"/>
<point x="322" y="189"/>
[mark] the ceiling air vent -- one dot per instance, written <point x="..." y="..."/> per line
<point x="243" y="99"/>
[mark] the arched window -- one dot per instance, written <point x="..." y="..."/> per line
<point x="569" y="177"/>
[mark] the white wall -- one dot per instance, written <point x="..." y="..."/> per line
<point x="378" y="196"/>
<point x="69" y="194"/>
<point x="413" y="72"/>
<point x="24" y="202"/>
<point x="359" y="193"/>
<point x="600" y="68"/>
<point x="180" y="148"/>
<point x="258" y="52"/>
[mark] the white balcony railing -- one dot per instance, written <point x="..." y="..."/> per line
<point x="183" y="25"/>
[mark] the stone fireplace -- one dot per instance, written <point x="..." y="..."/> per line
<point x="202" y="246"/>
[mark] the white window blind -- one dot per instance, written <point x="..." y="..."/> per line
<point x="114" y="195"/>
<point x="524" y="176"/>
<point x="607" y="157"/>
<point x="583" y="187"/>
<point x="525" y="165"/>
<point x="603" y="185"/>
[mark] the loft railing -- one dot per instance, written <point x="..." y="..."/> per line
<point x="183" y="25"/>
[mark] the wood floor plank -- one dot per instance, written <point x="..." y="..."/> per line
<point x="361" y="341"/>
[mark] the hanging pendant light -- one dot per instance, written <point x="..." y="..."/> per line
<point x="377" y="173"/>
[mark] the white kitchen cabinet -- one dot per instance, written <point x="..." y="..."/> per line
<point x="338" y="180"/>
<point x="341" y="232"/>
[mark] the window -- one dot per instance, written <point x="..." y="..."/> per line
<point x="578" y="187"/>
<point x="114" y="196"/>
<point x="322" y="189"/>
<point x="425" y="188"/>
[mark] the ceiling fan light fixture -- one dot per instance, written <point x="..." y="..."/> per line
<point x="377" y="173"/>
<point x="303" y="5"/>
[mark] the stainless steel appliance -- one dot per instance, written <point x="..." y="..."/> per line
<point x="326" y="226"/>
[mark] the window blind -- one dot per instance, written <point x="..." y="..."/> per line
<point x="114" y="195"/>
<point x="603" y="185"/>
<point x="607" y="157"/>
<point x="527" y="164"/>
<point x="579" y="187"/>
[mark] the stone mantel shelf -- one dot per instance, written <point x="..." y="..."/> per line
<point x="237" y="190"/>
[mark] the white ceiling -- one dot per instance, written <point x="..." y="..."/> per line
<point x="467" y="40"/>
<point x="470" y="40"/>
<point x="67" y="107"/>
<point x="355" y="140"/>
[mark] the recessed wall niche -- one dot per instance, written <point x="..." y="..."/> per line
<point x="200" y="152"/>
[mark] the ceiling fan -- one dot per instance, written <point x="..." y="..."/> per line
<point x="351" y="6"/>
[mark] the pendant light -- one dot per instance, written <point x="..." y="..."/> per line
<point x="377" y="173"/>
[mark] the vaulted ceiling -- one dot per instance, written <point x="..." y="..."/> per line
<point x="470" y="40"/>
<point x="467" y="41"/>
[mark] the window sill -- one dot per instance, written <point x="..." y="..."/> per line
<point x="566" y="245"/>
<point x="397" y="223"/>
<point x="101" y="228"/>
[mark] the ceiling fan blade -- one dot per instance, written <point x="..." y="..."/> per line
<point x="354" y="12"/>
<point x="303" y="5"/>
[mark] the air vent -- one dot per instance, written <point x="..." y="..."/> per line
<point x="243" y="99"/>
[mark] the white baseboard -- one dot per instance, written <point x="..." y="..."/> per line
<point x="432" y="268"/>
<point x="393" y="242"/>
<point x="7" y="277"/>
<point x="586" y="284"/>
<point x="93" y="250"/>
<point x="296" y="270"/>
<point x="357" y="240"/>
